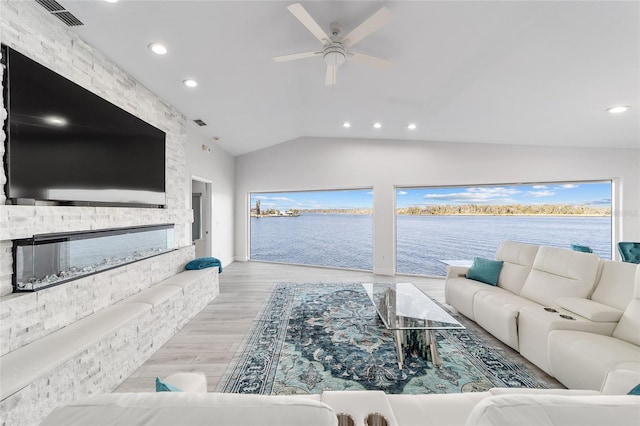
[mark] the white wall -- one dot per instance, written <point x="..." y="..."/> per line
<point x="216" y="166"/>
<point x="320" y="163"/>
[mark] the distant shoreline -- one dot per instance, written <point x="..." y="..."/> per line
<point x="543" y="210"/>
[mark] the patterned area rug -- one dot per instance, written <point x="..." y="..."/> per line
<point x="312" y="337"/>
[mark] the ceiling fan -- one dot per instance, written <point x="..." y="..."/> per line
<point x="335" y="48"/>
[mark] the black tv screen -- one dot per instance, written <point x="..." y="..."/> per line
<point x="66" y="144"/>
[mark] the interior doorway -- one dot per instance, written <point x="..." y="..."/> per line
<point x="201" y="205"/>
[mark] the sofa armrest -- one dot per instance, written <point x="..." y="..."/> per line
<point x="621" y="378"/>
<point x="589" y="309"/>
<point x="457" y="271"/>
<point x="553" y="410"/>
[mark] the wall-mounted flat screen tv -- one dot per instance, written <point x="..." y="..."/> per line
<point x="66" y="144"/>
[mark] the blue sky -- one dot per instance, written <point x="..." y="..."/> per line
<point x="593" y="194"/>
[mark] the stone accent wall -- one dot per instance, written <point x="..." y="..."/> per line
<point x="26" y="27"/>
<point x="105" y="364"/>
<point x="26" y="317"/>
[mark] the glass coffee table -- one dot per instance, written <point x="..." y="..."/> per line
<point x="412" y="316"/>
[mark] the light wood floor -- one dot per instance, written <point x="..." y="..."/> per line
<point x="209" y="341"/>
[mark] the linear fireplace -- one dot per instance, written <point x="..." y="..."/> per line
<point x="52" y="259"/>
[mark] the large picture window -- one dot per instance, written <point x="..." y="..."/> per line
<point x="320" y="228"/>
<point x="438" y="225"/>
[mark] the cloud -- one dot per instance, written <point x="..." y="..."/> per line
<point x="401" y="192"/>
<point x="538" y="194"/>
<point x="601" y="201"/>
<point x="539" y="186"/>
<point x="568" y="186"/>
<point x="282" y="199"/>
<point x="477" y="195"/>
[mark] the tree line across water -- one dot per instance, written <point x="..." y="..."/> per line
<point x="481" y="209"/>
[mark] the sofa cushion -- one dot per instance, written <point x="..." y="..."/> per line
<point x="460" y="292"/>
<point x="627" y="328"/>
<point x="558" y="273"/>
<point x="554" y="410"/>
<point x="574" y="353"/>
<point x="518" y="259"/>
<point x="434" y="409"/>
<point x="615" y="285"/>
<point x="498" y="314"/>
<point x="185" y="408"/>
<point x="485" y="270"/>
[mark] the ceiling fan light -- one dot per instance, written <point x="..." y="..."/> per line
<point x="334" y="58"/>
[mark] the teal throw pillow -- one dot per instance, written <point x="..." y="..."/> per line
<point x="485" y="270"/>
<point x="165" y="387"/>
<point x="635" y="391"/>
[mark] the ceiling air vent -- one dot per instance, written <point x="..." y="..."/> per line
<point x="200" y="122"/>
<point x="51" y="5"/>
<point x="57" y="10"/>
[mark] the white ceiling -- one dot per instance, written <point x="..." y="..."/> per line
<point x="519" y="72"/>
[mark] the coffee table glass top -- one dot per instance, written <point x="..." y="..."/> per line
<point x="402" y="306"/>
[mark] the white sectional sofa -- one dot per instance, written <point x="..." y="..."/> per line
<point x="498" y="406"/>
<point x="572" y="314"/>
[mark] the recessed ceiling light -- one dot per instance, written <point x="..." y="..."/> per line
<point x="618" y="109"/>
<point x="377" y="125"/>
<point x="190" y="83"/>
<point x="56" y="121"/>
<point x="346" y="124"/>
<point x="158" y="48"/>
<point x="111" y="1"/>
<point x="411" y="126"/>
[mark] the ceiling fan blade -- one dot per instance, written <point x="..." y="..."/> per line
<point x="295" y="56"/>
<point x="303" y="16"/>
<point x="369" y="60"/>
<point x="374" y="23"/>
<point x="330" y="78"/>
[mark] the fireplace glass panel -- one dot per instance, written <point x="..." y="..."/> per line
<point x="47" y="260"/>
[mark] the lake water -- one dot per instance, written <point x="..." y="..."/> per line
<point x="340" y="240"/>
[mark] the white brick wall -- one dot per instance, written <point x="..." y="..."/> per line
<point x="28" y="28"/>
<point x="105" y="364"/>
<point x="26" y="317"/>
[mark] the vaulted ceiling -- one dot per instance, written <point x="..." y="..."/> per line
<point x="507" y="72"/>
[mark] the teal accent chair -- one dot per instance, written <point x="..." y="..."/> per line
<point x="630" y="252"/>
<point x="578" y="247"/>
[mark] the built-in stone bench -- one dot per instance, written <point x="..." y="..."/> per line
<point x="96" y="353"/>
